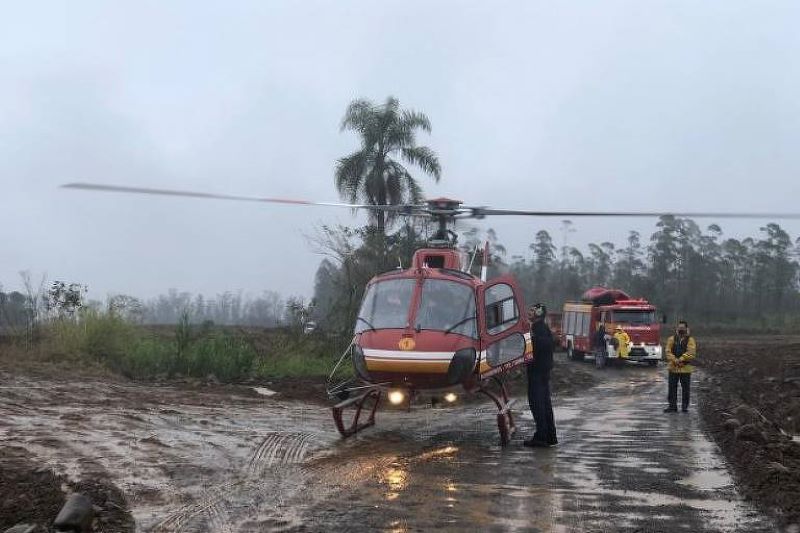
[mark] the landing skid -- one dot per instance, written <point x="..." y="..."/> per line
<point x="366" y="403"/>
<point x="505" y="420"/>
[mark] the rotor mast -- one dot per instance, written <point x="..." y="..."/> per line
<point x="443" y="211"/>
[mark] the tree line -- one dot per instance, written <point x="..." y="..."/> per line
<point x="686" y="271"/>
<point x="20" y="311"/>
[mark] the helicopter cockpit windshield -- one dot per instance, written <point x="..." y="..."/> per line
<point x="447" y="306"/>
<point x="386" y="305"/>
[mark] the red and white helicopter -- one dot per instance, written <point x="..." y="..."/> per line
<point x="433" y="326"/>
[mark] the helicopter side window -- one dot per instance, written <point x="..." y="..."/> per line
<point x="501" y="308"/>
<point x="447" y="306"/>
<point x="385" y="305"/>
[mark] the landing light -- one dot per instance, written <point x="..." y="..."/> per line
<point x="450" y="397"/>
<point x="396" y="397"/>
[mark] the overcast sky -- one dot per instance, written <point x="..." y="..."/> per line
<point x="677" y="105"/>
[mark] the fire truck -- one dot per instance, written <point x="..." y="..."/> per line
<point x="611" y="307"/>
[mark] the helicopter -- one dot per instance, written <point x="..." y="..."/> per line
<point x="434" y="326"/>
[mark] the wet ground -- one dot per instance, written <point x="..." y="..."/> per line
<point x="229" y="459"/>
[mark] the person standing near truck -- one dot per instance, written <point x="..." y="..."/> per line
<point x="601" y="338"/>
<point x="623" y="341"/>
<point x="539" y="380"/>
<point x="681" y="350"/>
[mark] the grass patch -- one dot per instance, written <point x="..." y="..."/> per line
<point x="291" y="365"/>
<point x="289" y="354"/>
<point x="145" y="358"/>
<point x="227" y="357"/>
<point x="97" y="335"/>
<point x="228" y="354"/>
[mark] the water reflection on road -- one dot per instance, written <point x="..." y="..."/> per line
<point x="621" y="465"/>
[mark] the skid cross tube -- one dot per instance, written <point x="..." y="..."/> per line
<point x="361" y="404"/>
<point x="505" y="420"/>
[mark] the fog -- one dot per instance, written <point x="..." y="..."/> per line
<point x="673" y="105"/>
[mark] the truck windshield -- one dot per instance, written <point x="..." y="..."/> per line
<point x="385" y="305"/>
<point x="633" y="316"/>
<point x="447" y="306"/>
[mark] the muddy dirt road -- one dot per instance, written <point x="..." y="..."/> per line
<point x="228" y="459"/>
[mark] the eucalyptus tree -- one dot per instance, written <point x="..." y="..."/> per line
<point x="630" y="265"/>
<point x="777" y="269"/>
<point x="375" y="174"/>
<point x="664" y="256"/>
<point x="602" y="263"/>
<point x="544" y="256"/>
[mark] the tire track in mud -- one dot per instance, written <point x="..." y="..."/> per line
<point x="208" y="506"/>
<point x="279" y="449"/>
<point x="274" y="451"/>
<point x="218" y="517"/>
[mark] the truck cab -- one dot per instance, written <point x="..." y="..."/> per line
<point x="638" y="319"/>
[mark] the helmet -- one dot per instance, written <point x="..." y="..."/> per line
<point x="539" y="310"/>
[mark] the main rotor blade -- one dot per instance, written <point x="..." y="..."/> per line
<point x="409" y="209"/>
<point x="483" y="211"/>
<point x="425" y="210"/>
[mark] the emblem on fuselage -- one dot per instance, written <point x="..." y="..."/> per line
<point x="406" y="344"/>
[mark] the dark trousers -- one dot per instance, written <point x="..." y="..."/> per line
<point x="542" y="409"/>
<point x="686" y="385"/>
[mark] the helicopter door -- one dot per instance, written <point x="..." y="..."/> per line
<point x="503" y="326"/>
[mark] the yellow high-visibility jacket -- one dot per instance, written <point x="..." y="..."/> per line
<point x="623" y="349"/>
<point x="674" y="363"/>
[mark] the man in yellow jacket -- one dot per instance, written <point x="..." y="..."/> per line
<point x="623" y="342"/>
<point x="681" y="350"/>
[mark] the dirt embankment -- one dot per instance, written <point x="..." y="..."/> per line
<point x="750" y="402"/>
<point x="33" y="494"/>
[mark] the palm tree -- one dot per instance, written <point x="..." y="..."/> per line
<point x="373" y="174"/>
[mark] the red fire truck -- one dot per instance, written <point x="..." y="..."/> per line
<point x="610" y="307"/>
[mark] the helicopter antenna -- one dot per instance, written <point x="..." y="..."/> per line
<point x="471" y="261"/>
<point x="485" y="265"/>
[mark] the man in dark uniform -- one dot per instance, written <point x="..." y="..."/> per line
<point x="539" y="380"/>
